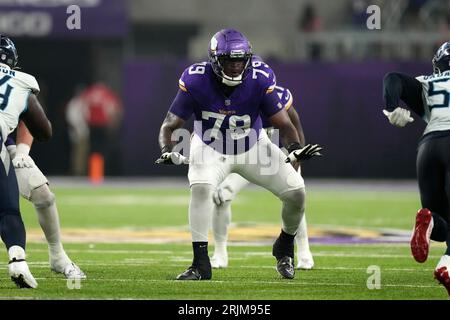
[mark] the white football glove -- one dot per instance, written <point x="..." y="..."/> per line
<point x="221" y="195"/>
<point x="172" y="158"/>
<point x="305" y="153"/>
<point x="22" y="161"/>
<point x="20" y="158"/>
<point x="399" y="117"/>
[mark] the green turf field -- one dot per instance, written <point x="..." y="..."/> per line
<point x="147" y="270"/>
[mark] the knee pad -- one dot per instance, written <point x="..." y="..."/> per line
<point x="42" y="197"/>
<point x="202" y="191"/>
<point x="295" y="198"/>
<point x="29" y="179"/>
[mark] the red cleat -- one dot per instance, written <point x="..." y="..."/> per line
<point x="441" y="275"/>
<point x="420" y="240"/>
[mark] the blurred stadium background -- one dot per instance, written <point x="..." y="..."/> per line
<point x="321" y="50"/>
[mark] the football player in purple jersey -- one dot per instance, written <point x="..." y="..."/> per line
<point x="226" y="96"/>
<point x="234" y="183"/>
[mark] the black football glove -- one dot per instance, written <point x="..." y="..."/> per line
<point x="172" y="158"/>
<point x="296" y="153"/>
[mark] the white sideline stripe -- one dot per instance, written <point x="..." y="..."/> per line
<point x="71" y="298"/>
<point x="346" y="255"/>
<point x="282" y="281"/>
<point x="125" y="200"/>
<point x="108" y="251"/>
<point x="268" y="254"/>
<point x="42" y="264"/>
<point x="262" y="254"/>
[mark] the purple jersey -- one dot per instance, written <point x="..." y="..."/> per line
<point x="286" y="99"/>
<point x="10" y="141"/>
<point x="230" y="125"/>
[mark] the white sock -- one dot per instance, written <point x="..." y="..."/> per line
<point x="16" y="252"/>
<point x="44" y="203"/>
<point x="201" y="208"/>
<point x="49" y="221"/>
<point x="220" y="223"/>
<point x="302" y="237"/>
<point x="293" y="210"/>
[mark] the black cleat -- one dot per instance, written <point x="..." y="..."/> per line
<point x="194" y="273"/>
<point x="285" y="267"/>
<point x="283" y="251"/>
<point x="20" y="282"/>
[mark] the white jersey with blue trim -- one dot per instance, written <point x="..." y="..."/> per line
<point x="15" y="88"/>
<point x="436" y="100"/>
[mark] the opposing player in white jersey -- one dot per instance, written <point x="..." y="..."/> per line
<point x="17" y="101"/>
<point x="33" y="186"/>
<point x="234" y="183"/>
<point x="429" y="97"/>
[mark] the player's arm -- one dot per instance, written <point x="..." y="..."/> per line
<point x="396" y="87"/>
<point x="35" y="120"/>
<point x="24" y="135"/>
<point x="20" y="151"/>
<point x="181" y="110"/>
<point x="295" y="119"/>
<point x="171" y="123"/>
<point x="288" y="133"/>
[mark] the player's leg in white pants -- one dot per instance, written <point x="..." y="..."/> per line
<point x="305" y="259"/>
<point x="207" y="169"/>
<point x="272" y="173"/>
<point x="33" y="186"/>
<point x="221" y="219"/>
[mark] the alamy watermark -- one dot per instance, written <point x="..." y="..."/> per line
<point x="374" y="280"/>
<point x="373" y="22"/>
<point x="73" y="21"/>
<point x="247" y="146"/>
<point x="73" y="283"/>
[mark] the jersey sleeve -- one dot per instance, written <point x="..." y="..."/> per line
<point x="270" y="82"/>
<point x="398" y="86"/>
<point x="264" y="75"/>
<point x="271" y="104"/>
<point x="287" y="99"/>
<point x="183" y="105"/>
<point x="30" y="83"/>
<point x="192" y="76"/>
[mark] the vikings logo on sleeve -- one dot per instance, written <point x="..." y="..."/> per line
<point x="286" y="100"/>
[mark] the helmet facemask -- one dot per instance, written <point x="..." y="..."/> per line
<point x="441" y="60"/>
<point x="8" y="52"/>
<point x="230" y="55"/>
<point x="232" y="69"/>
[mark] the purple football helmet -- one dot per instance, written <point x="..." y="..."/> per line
<point x="441" y="60"/>
<point x="230" y="45"/>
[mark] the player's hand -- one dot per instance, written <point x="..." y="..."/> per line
<point x="399" y="117"/>
<point x="221" y="195"/>
<point x="22" y="161"/>
<point x="172" y="158"/>
<point x="305" y="153"/>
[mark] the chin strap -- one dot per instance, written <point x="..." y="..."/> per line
<point x="230" y="81"/>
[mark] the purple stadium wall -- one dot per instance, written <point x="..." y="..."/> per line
<point x="339" y="105"/>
